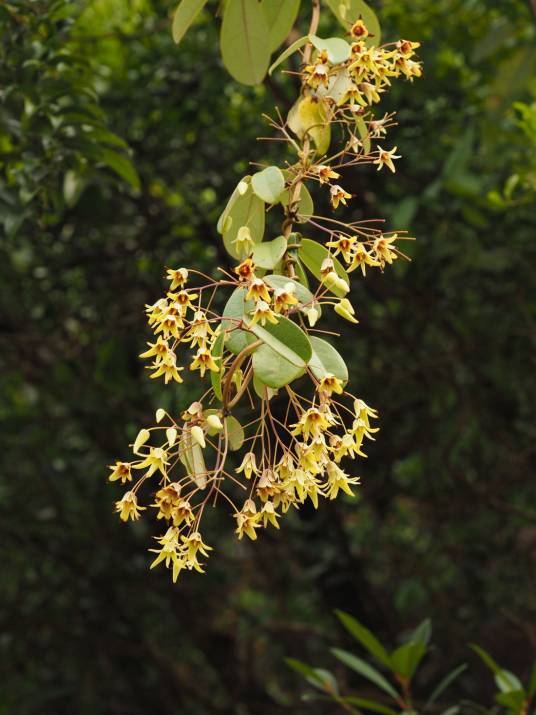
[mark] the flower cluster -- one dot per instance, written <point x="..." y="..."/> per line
<point x="295" y="445"/>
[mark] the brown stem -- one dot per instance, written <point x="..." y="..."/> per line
<point x="234" y="367"/>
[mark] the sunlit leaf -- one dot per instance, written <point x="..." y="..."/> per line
<point x="244" y="41"/>
<point x="269" y="253"/>
<point x="309" y="115"/>
<point x="337" y="50"/>
<point x="268" y="184"/>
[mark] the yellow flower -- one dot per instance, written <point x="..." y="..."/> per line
<point x="184" y="300"/>
<point x="385" y="158"/>
<point x="258" y="290"/>
<point x="269" y="515"/>
<point x="346" y="310"/>
<point x="330" y="384"/>
<point x="263" y="313"/>
<point x="338" y="195"/>
<point x="359" y="30"/>
<point x="200" y="330"/>
<point x="312" y="422"/>
<point x="284" y="297"/>
<point x="204" y="361"/>
<point x="122" y="471"/>
<point x="166" y="499"/>
<point x="245" y="270"/>
<point x="248" y="466"/>
<point x="169" y="552"/>
<point x="155" y="460"/>
<point x="406" y="47"/>
<point x="371" y="92"/>
<point x="325" y="173"/>
<point x="128" y="507"/>
<point x="193" y="545"/>
<point x="361" y="258"/>
<point x="382" y="248"/>
<point x="178" y="277"/>
<point x="317" y="74"/>
<point x="343" y="245"/>
<point x="182" y="513"/>
<point x="168" y="368"/>
<point x="266" y="485"/>
<point x="170" y="325"/>
<point x="338" y="480"/>
<point x="247" y="521"/>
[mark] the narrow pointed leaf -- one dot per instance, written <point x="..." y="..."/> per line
<point x="367" y="671"/>
<point x="291" y="49"/>
<point x="367" y="639"/>
<point x="184" y="16"/>
<point x="407" y="657"/>
<point x="486" y="657"/>
<point x="370" y="705"/>
<point x="444" y="684"/>
<point x="422" y="633"/>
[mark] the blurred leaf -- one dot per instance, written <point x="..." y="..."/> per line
<point x="444" y="684"/>
<point x="514" y="699"/>
<point x="185" y="14"/>
<point x="507" y="681"/>
<point x="370" y="705"/>
<point x="486" y="657"/>
<point x="532" y="682"/>
<point x="244" y="41"/>
<point x="280" y="16"/>
<point x="422" y="633"/>
<point x="367" y="671"/>
<point x="407" y="657"/>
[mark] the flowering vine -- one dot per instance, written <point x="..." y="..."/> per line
<point x="265" y="341"/>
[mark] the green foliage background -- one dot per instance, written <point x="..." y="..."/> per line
<point x="445" y="525"/>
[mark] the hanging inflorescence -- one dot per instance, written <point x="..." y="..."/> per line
<point x="264" y="342"/>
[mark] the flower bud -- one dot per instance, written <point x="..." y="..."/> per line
<point x="214" y="422"/>
<point x="160" y="414"/>
<point x="345" y="309"/>
<point x="312" y="316"/>
<point x="171" y="434"/>
<point x="143" y="436"/>
<point x="198" y="436"/>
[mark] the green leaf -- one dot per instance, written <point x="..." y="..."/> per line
<point x="215" y="377"/>
<point x="337" y="50"/>
<point x="272" y="369"/>
<point x="422" y="633"/>
<point x="184" y="16"/>
<point x="366" y="670"/>
<point x="339" y="84"/>
<point x="247" y="209"/>
<point x="532" y="682"/>
<point x="260" y="388"/>
<point x="352" y="625"/>
<point x="507" y="681"/>
<point x="280" y="16"/>
<point x="119" y="163"/>
<point x="313" y="254"/>
<point x="513" y="699"/>
<point x="326" y="360"/>
<point x="302" y="293"/>
<point x="370" y="705"/>
<point x="239" y="190"/>
<point x="287" y="339"/>
<point x="291" y="49"/>
<point x="268" y="254"/>
<point x="454" y="710"/>
<point x="444" y="684"/>
<point x="235" y="309"/>
<point x="364" y="133"/>
<point x="320" y="678"/>
<point x="486" y="657"/>
<point x="348" y="11"/>
<point x="199" y="469"/>
<point x="235" y="433"/>
<point x="244" y="41"/>
<point x="305" y="206"/>
<point x="407" y="657"/>
<point x="268" y="184"/>
<point x="309" y="115"/>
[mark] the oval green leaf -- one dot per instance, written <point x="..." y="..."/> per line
<point x="326" y="360"/>
<point x="247" y="209"/>
<point x="240" y="189"/>
<point x="236" y="339"/>
<point x="244" y="41"/>
<point x="215" y="377"/>
<point x="313" y="254"/>
<point x="309" y="116"/>
<point x="269" y="253"/>
<point x="303" y="294"/>
<point x="280" y="16"/>
<point x="268" y="184"/>
<point x="184" y="16"/>
<point x="287" y="339"/>
<point x="291" y="49"/>
<point x="235" y="433"/>
<point x="273" y="370"/>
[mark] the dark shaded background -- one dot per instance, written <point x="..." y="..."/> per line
<point x="445" y="525"/>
